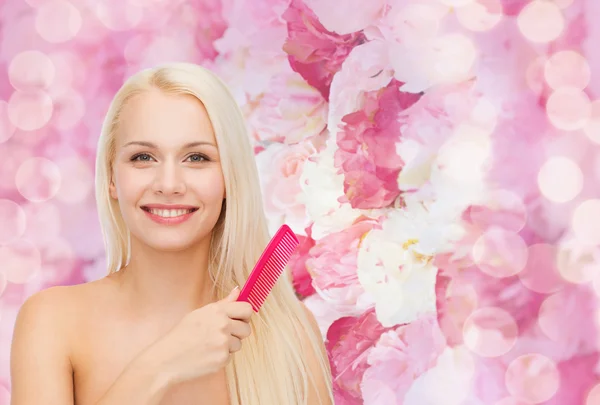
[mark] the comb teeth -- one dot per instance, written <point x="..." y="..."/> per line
<point x="270" y="273"/>
<point x="269" y="267"/>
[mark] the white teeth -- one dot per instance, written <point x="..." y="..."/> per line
<point x="169" y="213"/>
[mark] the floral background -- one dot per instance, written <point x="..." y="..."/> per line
<point x="439" y="159"/>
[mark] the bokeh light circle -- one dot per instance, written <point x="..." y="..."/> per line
<point x="592" y="126"/>
<point x="464" y="157"/>
<point x="31" y="70"/>
<point x="560" y="179"/>
<point x="77" y="180"/>
<point x="563" y="3"/>
<point x="417" y="22"/>
<point x="500" y="253"/>
<point x="59" y="261"/>
<point x="593" y="396"/>
<point x="454" y="57"/>
<point x="20" y="261"/>
<point x="3" y="283"/>
<point x="532" y="378"/>
<point x="460" y="300"/>
<point x="30" y="110"/>
<point x="38" y="179"/>
<point x="7" y="128"/>
<point x="456" y="3"/>
<point x="541" y="274"/>
<point x="534" y="75"/>
<point x="549" y="317"/>
<point x="511" y="401"/>
<point x="11" y="157"/>
<point x="567" y="69"/>
<point x="480" y="15"/>
<point x="57" y="21"/>
<point x="69" y="109"/>
<point x="541" y="21"/>
<point x="490" y="332"/>
<point x="44" y="216"/>
<point x="122" y="18"/>
<point x="13" y="220"/>
<point x="37" y="3"/>
<point x="502" y="208"/>
<point x="568" y="108"/>
<point x="484" y="115"/>
<point x="578" y="263"/>
<point x="586" y="222"/>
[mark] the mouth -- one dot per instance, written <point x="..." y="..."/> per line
<point x="169" y="213"/>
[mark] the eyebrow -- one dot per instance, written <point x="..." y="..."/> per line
<point x="151" y="145"/>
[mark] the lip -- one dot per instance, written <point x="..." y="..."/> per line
<point x="171" y="220"/>
<point x="169" y="206"/>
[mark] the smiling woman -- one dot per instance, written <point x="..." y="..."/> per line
<point x="181" y="210"/>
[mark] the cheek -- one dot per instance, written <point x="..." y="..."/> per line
<point x="130" y="184"/>
<point x="209" y="187"/>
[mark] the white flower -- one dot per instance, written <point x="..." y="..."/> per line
<point x="322" y="186"/>
<point x="398" y="276"/>
<point x="366" y="69"/>
<point x="448" y="383"/>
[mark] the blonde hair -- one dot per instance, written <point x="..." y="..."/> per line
<point x="271" y="368"/>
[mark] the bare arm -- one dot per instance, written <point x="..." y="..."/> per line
<point x="40" y="368"/>
<point x="140" y="383"/>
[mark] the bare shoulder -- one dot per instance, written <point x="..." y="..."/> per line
<point x="40" y="360"/>
<point x="55" y="307"/>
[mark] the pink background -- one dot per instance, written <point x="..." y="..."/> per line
<point x="439" y="160"/>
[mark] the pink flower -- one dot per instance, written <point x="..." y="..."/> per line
<point x="282" y="166"/>
<point x="289" y="111"/>
<point x="164" y="35"/>
<point x="314" y="52"/>
<point x="250" y="50"/>
<point x="367" y="148"/>
<point x="398" y="358"/>
<point x="367" y="68"/>
<point x="349" y="342"/>
<point x="332" y="264"/>
<point x="347" y="17"/>
<point x="302" y="279"/>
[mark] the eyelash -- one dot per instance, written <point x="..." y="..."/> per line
<point x="135" y="158"/>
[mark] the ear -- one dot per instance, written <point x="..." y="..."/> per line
<point x="112" y="190"/>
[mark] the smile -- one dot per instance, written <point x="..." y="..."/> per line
<point x="169" y="216"/>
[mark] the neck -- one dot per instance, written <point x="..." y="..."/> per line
<point x="167" y="283"/>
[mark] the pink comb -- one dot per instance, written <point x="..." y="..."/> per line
<point x="269" y="267"/>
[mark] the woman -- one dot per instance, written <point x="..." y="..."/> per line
<point x="181" y="211"/>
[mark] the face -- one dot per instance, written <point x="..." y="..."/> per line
<point x="167" y="176"/>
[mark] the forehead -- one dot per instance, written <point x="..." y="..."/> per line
<point x="162" y="118"/>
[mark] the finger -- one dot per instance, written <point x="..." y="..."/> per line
<point x="235" y="344"/>
<point x="239" y="310"/>
<point x="240" y="329"/>
<point x="233" y="295"/>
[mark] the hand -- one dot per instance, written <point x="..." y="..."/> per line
<point x="203" y="341"/>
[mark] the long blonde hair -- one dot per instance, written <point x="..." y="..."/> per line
<point x="271" y="368"/>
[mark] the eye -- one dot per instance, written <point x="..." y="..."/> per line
<point x="141" y="157"/>
<point x="197" y="157"/>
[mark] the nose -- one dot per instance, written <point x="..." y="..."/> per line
<point x="169" y="180"/>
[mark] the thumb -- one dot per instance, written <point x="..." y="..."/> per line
<point x="233" y="295"/>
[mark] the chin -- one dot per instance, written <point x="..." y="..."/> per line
<point x="171" y="245"/>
